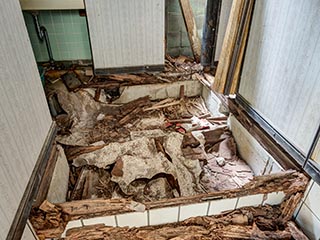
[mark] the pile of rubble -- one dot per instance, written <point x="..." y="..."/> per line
<point x="143" y="150"/>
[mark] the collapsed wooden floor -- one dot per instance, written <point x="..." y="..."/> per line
<point x="146" y="150"/>
<point x="147" y="154"/>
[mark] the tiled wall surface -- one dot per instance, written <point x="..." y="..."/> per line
<point x="69" y="39"/>
<point x="308" y="214"/>
<point x="177" y="213"/>
<point x="177" y="37"/>
<point x="67" y="32"/>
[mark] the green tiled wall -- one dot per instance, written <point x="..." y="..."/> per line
<point x="177" y="37"/>
<point x="69" y="35"/>
<point x="67" y="32"/>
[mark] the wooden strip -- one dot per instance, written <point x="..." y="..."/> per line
<point x="228" y="46"/>
<point x="209" y="38"/>
<point x="242" y="47"/>
<point x="162" y="106"/>
<point x="191" y="28"/>
<point x="22" y="214"/>
<point x="266" y="141"/>
<point x="295" y="232"/>
<point x="46" y="179"/>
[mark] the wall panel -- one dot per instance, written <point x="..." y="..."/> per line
<point x="126" y="33"/>
<point x="280" y="76"/>
<point x="24" y="117"/>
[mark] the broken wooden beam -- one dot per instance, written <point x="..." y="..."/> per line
<point x="191" y="28"/>
<point x="289" y="182"/>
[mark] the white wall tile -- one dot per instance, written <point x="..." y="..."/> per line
<point x="310" y="184"/>
<point x="252" y="200"/>
<point x="71" y="224"/>
<point x="134" y="219"/>
<point x="193" y="210"/>
<point x="107" y="220"/>
<point x="274" y="198"/>
<point x="218" y="206"/>
<point x="312" y="199"/>
<point x="163" y="215"/>
<point x="309" y="223"/>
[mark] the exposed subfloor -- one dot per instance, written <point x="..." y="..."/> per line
<point x="144" y="150"/>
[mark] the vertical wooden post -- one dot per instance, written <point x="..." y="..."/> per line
<point x="210" y="32"/>
<point x="234" y="72"/>
<point x="228" y="46"/>
<point x="191" y="28"/>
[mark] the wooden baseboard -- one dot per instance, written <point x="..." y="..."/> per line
<point x="100" y="72"/>
<point x="22" y="214"/>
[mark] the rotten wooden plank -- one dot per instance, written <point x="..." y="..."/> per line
<point x="289" y="182"/>
<point x="191" y="28"/>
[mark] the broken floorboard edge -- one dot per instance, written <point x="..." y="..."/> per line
<point x="290" y="182"/>
<point x="244" y="223"/>
<point x="275" y="144"/>
<point x="31" y="191"/>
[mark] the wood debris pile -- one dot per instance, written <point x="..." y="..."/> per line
<point x="141" y="150"/>
<point x="50" y="219"/>
<point x="263" y="222"/>
<point x="176" y="69"/>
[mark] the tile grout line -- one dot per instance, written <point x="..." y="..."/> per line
<point x="235" y="207"/>
<point x="208" y="209"/>
<point x="116" y="220"/>
<point x="303" y="202"/>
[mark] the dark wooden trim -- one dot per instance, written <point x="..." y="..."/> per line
<point x="313" y="170"/>
<point x="274" y="143"/>
<point x="22" y="214"/>
<point x="210" y="32"/>
<point x="47" y="177"/>
<point x="105" y="71"/>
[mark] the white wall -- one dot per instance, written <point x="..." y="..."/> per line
<point x="24" y="117"/>
<point x="280" y="76"/>
<point x="126" y="33"/>
<point x="308" y="215"/>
